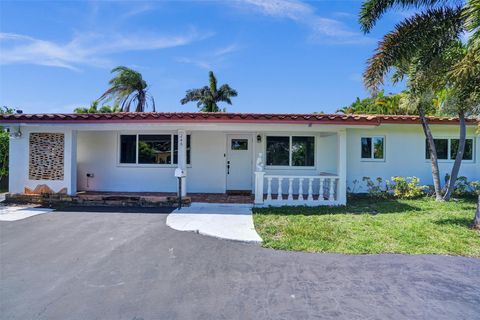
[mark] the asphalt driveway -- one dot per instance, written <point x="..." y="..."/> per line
<point x="76" y="265"/>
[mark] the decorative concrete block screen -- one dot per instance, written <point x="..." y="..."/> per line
<point x="46" y="156"/>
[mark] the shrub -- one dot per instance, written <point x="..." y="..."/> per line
<point x="376" y="188"/>
<point x="465" y="188"/>
<point x="3" y="154"/>
<point x="475" y="187"/>
<point x="407" y="188"/>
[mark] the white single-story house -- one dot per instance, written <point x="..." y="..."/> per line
<point x="280" y="158"/>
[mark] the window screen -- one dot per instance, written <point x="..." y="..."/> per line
<point x="128" y="148"/>
<point x="155" y="149"/>
<point x="467" y="152"/>
<point x="278" y="151"/>
<point x="303" y="151"/>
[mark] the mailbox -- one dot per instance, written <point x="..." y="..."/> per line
<point x="180" y="173"/>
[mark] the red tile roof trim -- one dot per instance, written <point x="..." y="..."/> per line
<point x="224" y="117"/>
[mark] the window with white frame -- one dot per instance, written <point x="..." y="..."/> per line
<point x="373" y="148"/>
<point x="447" y="149"/>
<point x="161" y="149"/>
<point x="294" y="151"/>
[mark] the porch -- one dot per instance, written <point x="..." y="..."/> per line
<point x="218" y="163"/>
<point x="230" y="167"/>
<point x="324" y="189"/>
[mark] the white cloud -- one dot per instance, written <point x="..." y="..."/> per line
<point x="325" y="30"/>
<point x="344" y="14"/>
<point x="226" y="50"/>
<point x="213" y="59"/>
<point x="196" y="62"/>
<point x="281" y="8"/>
<point x="138" y="9"/>
<point x="84" y="49"/>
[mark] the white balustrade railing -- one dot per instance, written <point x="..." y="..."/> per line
<point x="290" y="190"/>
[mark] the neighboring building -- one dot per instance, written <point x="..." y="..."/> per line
<point x="221" y="152"/>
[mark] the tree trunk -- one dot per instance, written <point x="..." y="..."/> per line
<point x="433" y="154"/>
<point x="458" y="158"/>
<point x="476" y="221"/>
<point x="141" y="102"/>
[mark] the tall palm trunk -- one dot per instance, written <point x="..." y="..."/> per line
<point x="476" y="220"/>
<point x="458" y="158"/>
<point x="141" y="100"/>
<point x="433" y="154"/>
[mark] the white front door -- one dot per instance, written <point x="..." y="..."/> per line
<point x="239" y="162"/>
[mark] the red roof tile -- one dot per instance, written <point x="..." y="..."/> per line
<point x="219" y="117"/>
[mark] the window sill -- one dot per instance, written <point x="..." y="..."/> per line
<point x="289" y="168"/>
<point x="159" y="166"/>
<point x="373" y="160"/>
<point x="450" y="161"/>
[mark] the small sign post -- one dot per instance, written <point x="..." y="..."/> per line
<point x="180" y="174"/>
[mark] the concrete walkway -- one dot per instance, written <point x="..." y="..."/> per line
<point x="226" y="221"/>
<point x="8" y="213"/>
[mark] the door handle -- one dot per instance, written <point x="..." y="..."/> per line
<point x="228" y="167"/>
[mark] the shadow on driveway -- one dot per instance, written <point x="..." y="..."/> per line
<point x="107" y="209"/>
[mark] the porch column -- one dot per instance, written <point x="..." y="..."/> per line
<point x="342" y="167"/>
<point x="259" y="177"/>
<point x="182" y="158"/>
<point x="70" y="165"/>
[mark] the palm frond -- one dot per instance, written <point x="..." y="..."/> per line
<point x="207" y="97"/>
<point x="422" y="36"/>
<point x="226" y="90"/>
<point x="373" y="10"/>
<point x="472" y="15"/>
<point x="153" y="102"/>
<point x="125" y="87"/>
<point x="194" y="95"/>
<point x="212" y="82"/>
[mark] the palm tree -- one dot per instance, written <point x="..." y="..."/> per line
<point x="379" y="104"/>
<point x="416" y="48"/>
<point x="128" y="87"/>
<point x="208" y="96"/>
<point x="94" y="108"/>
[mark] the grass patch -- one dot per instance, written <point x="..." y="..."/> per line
<point x="373" y="226"/>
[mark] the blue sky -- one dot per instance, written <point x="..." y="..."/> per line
<point x="283" y="56"/>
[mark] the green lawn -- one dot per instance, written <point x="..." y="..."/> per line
<point x="373" y="226"/>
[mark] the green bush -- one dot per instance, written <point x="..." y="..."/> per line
<point x="407" y="187"/>
<point x="3" y="154"/>
<point x="465" y="188"/>
<point x="4" y="142"/>
<point x="376" y="188"/>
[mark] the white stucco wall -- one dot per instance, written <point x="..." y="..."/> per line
<point x="404" y="154"/>
<point x="97" y="153"/>
<point x="326" y="158"/>
<point x="19" y="157"/>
